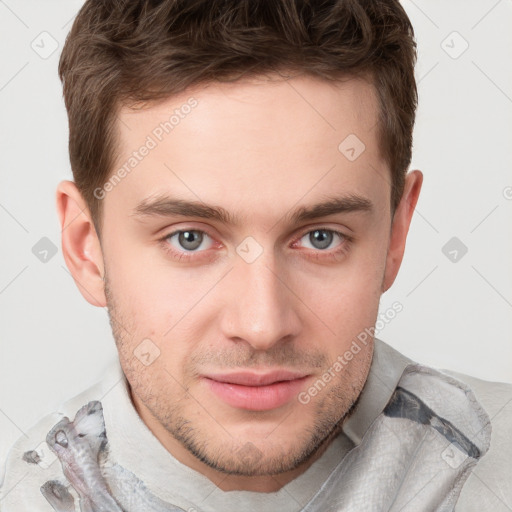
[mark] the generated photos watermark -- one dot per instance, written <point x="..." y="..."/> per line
<point x="304" y="397"/>
<point x="152" y="140"/>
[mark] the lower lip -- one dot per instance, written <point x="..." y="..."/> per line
<point x="257" y="398"/>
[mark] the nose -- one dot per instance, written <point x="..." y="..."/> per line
<point x="261" y="308"/>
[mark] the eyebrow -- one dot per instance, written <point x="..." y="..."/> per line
<point x="163" y="206"/>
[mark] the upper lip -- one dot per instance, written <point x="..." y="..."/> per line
<point x="256" y="379"/>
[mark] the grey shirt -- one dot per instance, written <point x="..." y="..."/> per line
<point x="133" y="446"/>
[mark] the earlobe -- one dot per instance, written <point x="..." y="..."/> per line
<point x="400" y="227"/>
<point x="80" y="244"/>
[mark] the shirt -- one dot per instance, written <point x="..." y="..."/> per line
<point x="133" y="446"/>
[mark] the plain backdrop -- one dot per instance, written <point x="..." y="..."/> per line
<point x="456" y="277"/>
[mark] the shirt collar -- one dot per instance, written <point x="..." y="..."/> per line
<point x="385" y="371"/>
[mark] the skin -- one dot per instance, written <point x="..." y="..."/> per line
<point x="260" y="149"/>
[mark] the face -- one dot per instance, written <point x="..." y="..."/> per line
<point x="244" y="251"/>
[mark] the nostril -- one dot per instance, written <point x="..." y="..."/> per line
<point x="60" y="437"/>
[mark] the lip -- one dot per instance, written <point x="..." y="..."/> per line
<point x="255" y="379"/>
<point x="256" y="391"/>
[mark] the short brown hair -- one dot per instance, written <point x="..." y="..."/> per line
<point x="123" y="51"/>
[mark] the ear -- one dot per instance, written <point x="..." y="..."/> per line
<point x="80" y="243"/>
<point x="400" y="227"/>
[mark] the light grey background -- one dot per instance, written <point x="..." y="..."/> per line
<point x="456" y="314"/>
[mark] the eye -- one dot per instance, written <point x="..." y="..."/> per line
<point x="189" y="240"/>
<point x="193" y="244"/>
<point x="322" y="238"/>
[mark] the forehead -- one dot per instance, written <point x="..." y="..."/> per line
<point x="271" y="102"/>
<point x="262" y="139"/>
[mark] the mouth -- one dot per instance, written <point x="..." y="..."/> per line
<point x="256" y="391"/>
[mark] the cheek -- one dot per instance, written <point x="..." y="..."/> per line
<point x="346" y="304"/>
<point x="143" y="296"/>
<point x="349" y="293"/>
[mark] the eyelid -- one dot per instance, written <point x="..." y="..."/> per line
<point x="320" y="227"/>
<point x="318" y="254"/>
<point x="304" y="231"/>
<point x="174" y="232"/>
<point x="346" y="238"/>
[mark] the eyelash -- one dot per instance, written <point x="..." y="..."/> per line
<point x="317" y="255"/>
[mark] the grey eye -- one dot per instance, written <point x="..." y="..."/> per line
<point x="190" y="240"/>
<point x="61" y="438"/>
<point x="321" y="238"/>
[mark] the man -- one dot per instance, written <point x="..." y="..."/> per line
<point x="240" y="203"/>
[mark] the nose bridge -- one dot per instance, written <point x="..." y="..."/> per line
<point x="262" y="308"/>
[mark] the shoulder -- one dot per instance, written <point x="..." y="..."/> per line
<point x="30" y="463"/>
<point x="489" y="486"/>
